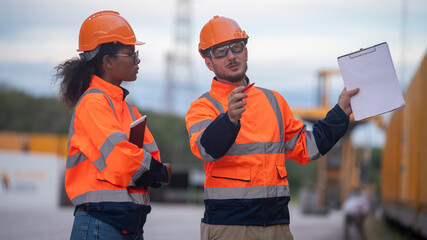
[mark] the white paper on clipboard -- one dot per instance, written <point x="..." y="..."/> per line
<point x="372" y="71"/>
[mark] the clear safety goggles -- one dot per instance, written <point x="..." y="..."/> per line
<point x="222" y="51"/>
<point x="133" y="55"/>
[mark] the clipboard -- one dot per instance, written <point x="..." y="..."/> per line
<point x="372" y="71"/>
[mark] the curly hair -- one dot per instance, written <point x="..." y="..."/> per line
<point x="75" y="74"/>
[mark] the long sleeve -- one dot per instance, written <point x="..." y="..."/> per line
<point x="303" y="145"/>
<point x="329" y="130"/>
<point x="219" y="136"/>
<point x="210" y="130"/>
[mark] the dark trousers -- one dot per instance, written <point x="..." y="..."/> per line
<point x="354" y="222"/>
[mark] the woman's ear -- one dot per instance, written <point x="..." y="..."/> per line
<point x="107" y="61"/>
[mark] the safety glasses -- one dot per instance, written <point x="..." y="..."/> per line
<point x="222" y="51"/>
<point x="133" y="55"/>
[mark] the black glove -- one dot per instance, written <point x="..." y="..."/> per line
<point x="153" y="177"/>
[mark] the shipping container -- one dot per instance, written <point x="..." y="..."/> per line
<point x="404" y="162"/>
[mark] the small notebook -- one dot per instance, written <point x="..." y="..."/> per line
<point x="137" y="131"/>
<point x="372" y="71"/>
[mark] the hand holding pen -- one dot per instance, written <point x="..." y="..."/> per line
<point x="236" y="103"/>
<point x="248" y="86"/>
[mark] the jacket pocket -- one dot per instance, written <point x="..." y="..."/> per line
<point x="281" y="170"/>
<point x="99" y="177"/>
<point x="234" y="173"/>
<point x="280" y="166"/>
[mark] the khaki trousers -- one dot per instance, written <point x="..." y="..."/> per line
<point x="232" y="232"/>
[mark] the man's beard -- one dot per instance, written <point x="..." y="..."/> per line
<point x="234" y="78"/>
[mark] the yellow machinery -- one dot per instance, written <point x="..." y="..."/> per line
<point x="338" y="172"/>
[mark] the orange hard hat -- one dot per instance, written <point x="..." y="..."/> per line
<point x="104" y="27"/>
<point x="218" y="30"/>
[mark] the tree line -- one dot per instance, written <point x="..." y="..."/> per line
<point x="23" y="112"/>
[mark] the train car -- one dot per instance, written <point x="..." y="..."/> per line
<point x="404" y="161"/>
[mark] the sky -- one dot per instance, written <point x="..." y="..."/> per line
<point x="289" y="42"/>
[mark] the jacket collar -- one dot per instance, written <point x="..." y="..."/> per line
<point x="222" y="90"/>
<point x="113" y="91"/>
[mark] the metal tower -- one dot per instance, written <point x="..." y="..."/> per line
<point x="179" y="74"/>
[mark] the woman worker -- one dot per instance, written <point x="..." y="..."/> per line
<point x="107" y="176"/>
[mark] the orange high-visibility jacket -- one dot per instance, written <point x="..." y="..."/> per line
<point x="249" y="185"/>
<point x="102" y="165"/>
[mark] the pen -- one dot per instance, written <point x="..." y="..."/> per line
<point x="247" y="87"/>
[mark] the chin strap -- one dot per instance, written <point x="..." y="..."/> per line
<point x="89" y="55"/>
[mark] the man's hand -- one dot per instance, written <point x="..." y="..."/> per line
<point x="236" y="105"/>
<point x="344" y="100"/>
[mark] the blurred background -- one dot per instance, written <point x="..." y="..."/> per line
<point x="293" y="48"/>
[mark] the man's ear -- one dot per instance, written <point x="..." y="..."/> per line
<point x="208" y="63"/>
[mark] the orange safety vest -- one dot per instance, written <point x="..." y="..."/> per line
<point x="102" y="165"/>
<point x="249" y="185"/>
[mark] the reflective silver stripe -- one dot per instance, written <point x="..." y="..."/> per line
<point x="273" y="102"/>
<point x="256" y="148"/>
<point x="199" y="126"/>
<point x="107" y="147"/>
<point x="247" y="192"/>
<point x="313" y="151"/>
<point x="132" y="112"/>
<point x="246" y="148"/>
<point x="145" y="165"/>
<point x="75" y="159"/>
<point x="291" y="143"/>
<point x="151" y="147"/>
<point x="112" y="196"/>
<point x="71" y="129"/>
<point x="202" y="151"/>
<point x="215" y="102"/>
<point x="193" y="129"/>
